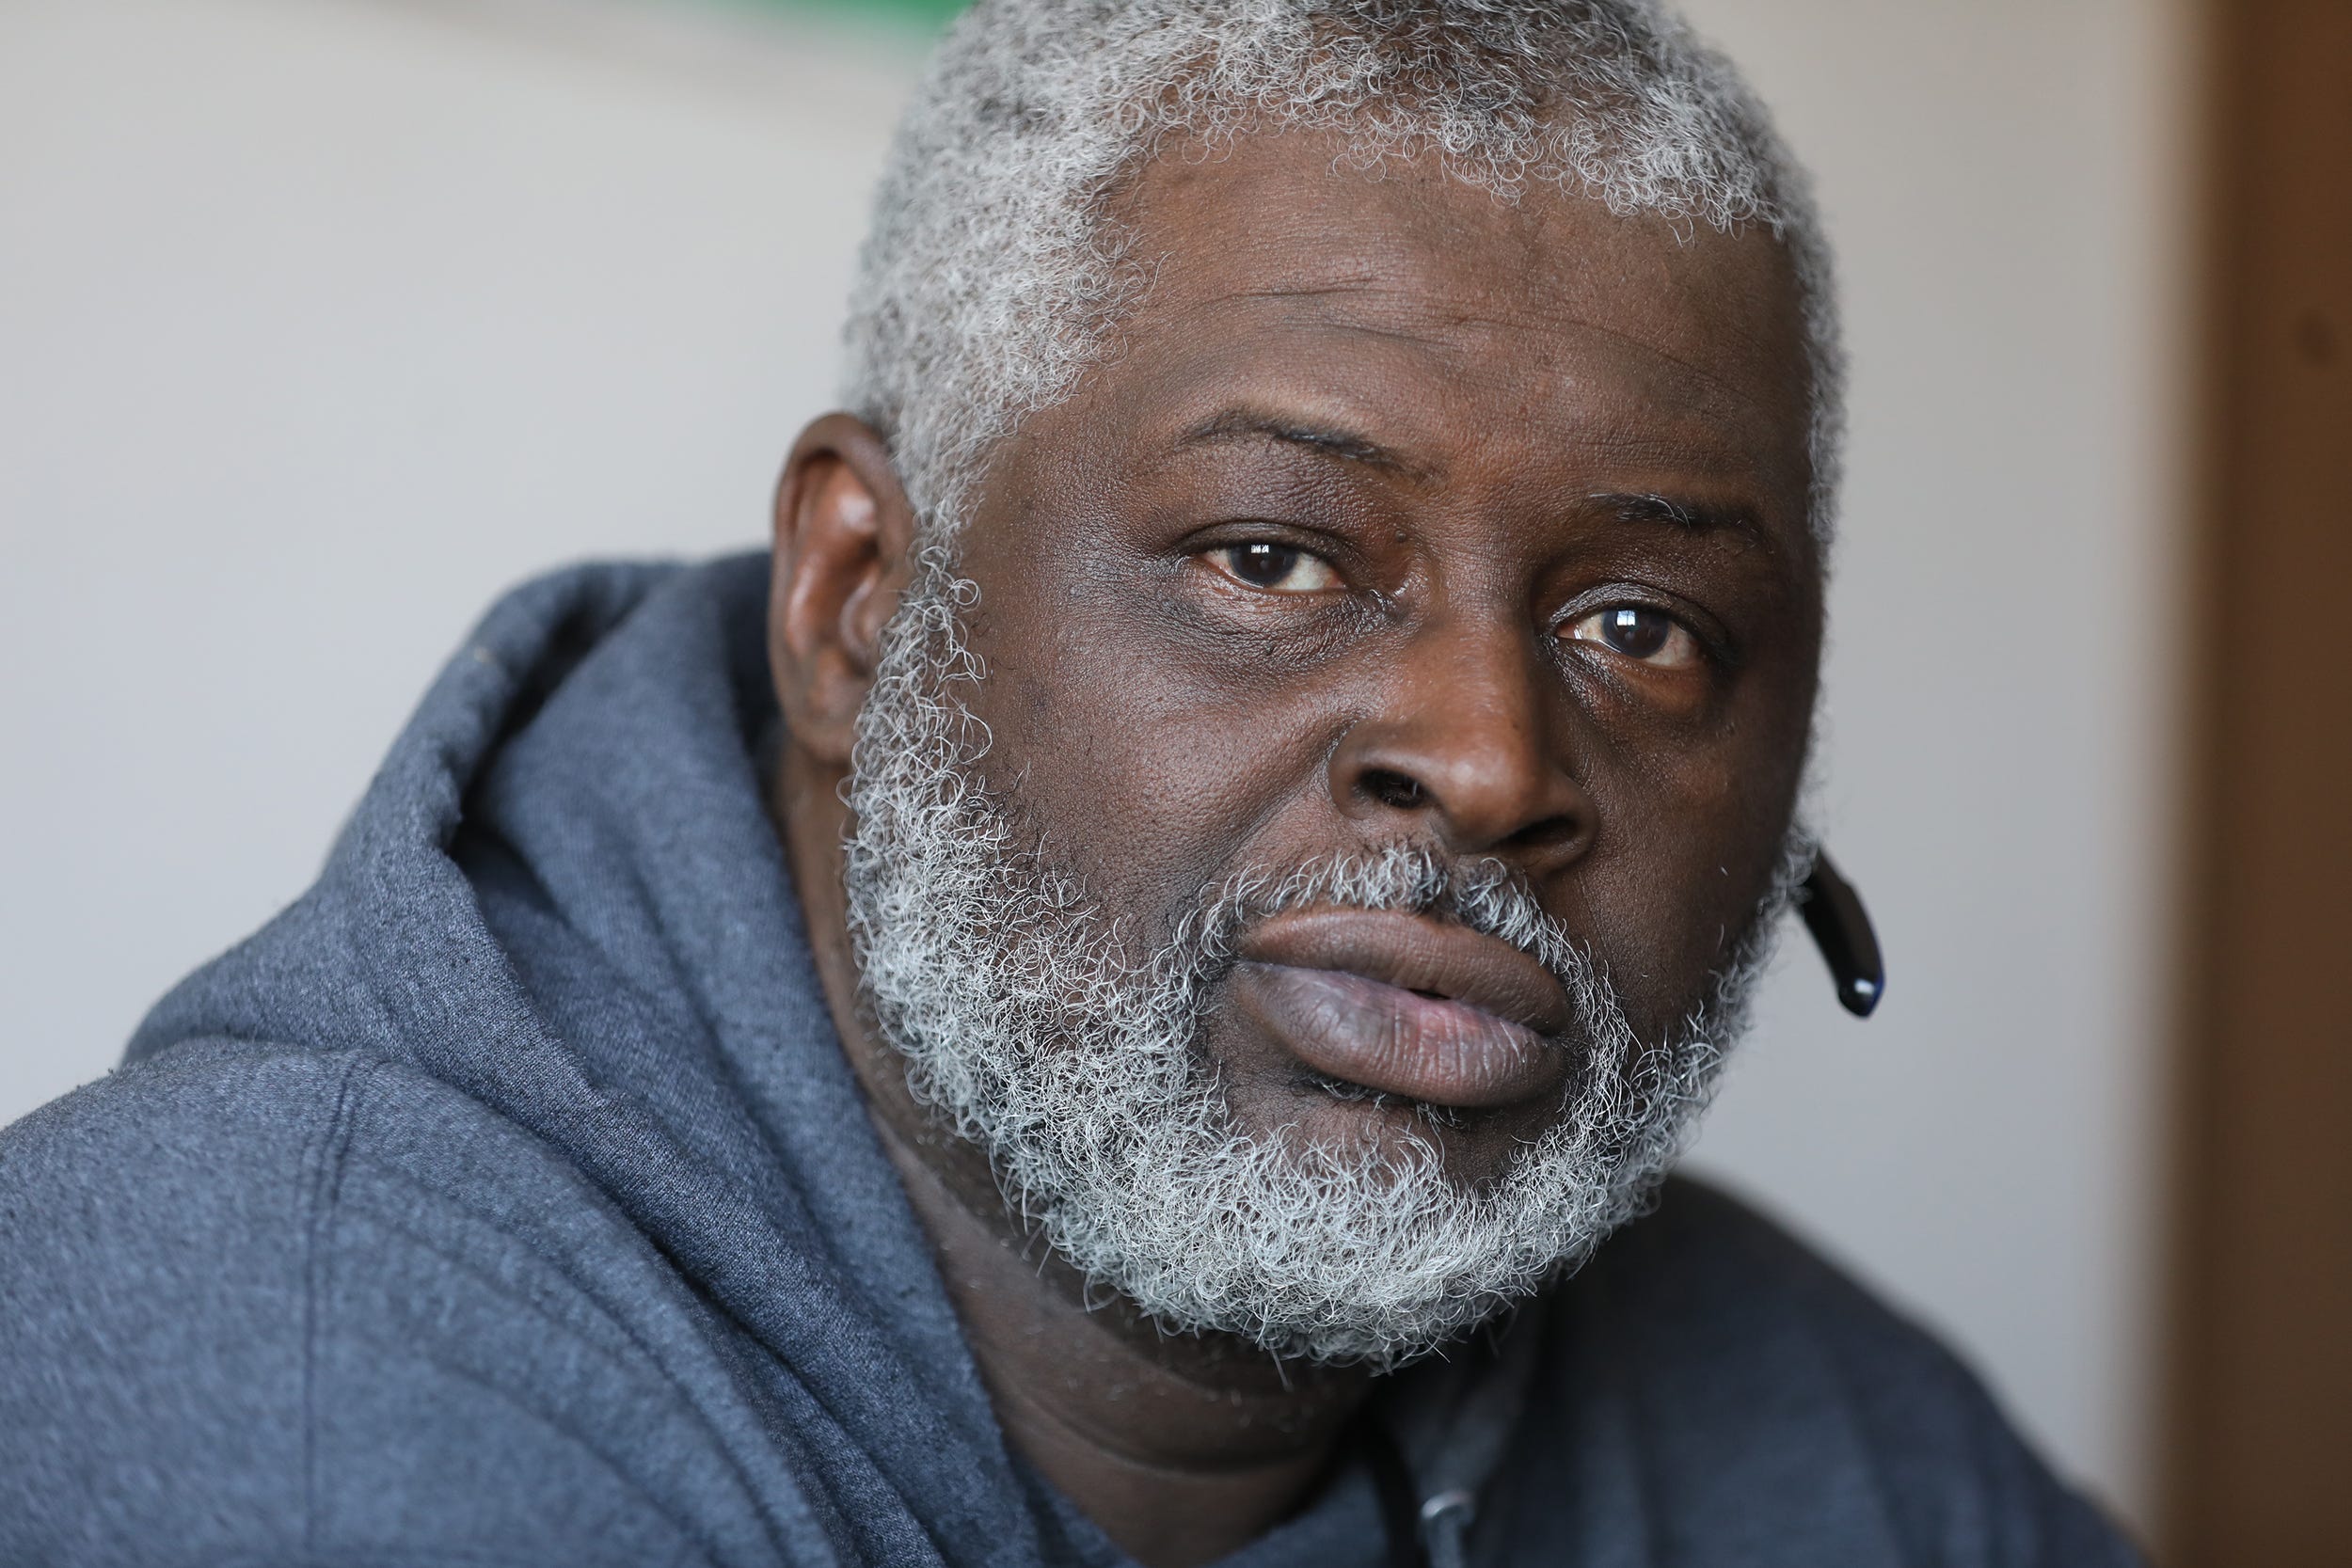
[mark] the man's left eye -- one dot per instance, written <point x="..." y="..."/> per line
<point x="1275" y="568"/>
<point x="1639" y="632"/>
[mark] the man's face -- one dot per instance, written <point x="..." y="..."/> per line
<point x="1447" y="558"/>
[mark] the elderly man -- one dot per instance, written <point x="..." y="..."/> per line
<point x="1101" y="1002"/>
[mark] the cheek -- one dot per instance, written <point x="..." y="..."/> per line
<point x="1147" y="766"/>
<point x="1687" y="849"/>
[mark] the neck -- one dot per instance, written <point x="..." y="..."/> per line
<point x="1182" y="1447"/>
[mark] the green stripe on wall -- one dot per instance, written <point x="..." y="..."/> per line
<point x="929" y="13"/>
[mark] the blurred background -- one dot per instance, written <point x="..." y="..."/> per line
<point x="322" y="320"/>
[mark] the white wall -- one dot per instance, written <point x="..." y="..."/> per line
<point x="320" y="320"/>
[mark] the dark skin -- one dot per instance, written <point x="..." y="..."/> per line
<point x="1402" y="514"/>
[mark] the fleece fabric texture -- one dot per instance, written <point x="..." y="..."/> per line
<point x="508" y="1201"/>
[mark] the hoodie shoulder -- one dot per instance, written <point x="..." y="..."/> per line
<point x="1773" y="1404"/>
<point x="281" y="1304"/>
<point x="154" y="1243"/>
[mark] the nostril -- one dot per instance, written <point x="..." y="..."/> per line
<point x="1390" y="788"/>
<point x="1552" y="832"/>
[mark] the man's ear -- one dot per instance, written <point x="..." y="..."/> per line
<point x="845" y="537"/>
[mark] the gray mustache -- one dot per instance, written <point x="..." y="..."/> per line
<point x="1483" y="895"/>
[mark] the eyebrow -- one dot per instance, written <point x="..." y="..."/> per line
<point x="1243" y="424"/>
<point x="1689" y="516"/>
<point x="1247" y="424"/>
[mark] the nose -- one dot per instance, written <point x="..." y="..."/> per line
<point x="1465" y="742"/>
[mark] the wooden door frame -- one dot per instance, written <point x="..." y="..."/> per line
<point x="2258" y="1448"/>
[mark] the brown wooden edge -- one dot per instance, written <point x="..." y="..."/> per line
<point x="2257" y="1461"/>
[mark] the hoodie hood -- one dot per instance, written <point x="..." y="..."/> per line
<point x="561" y="895"/>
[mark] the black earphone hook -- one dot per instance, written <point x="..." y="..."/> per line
<point x="1841" y="929"/>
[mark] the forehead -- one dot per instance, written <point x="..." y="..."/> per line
<point x="1402" y="296"/>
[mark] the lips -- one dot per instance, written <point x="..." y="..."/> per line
<point x="1406" y="1006"/>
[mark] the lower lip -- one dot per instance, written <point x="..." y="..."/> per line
<point x="1399" y="1042"/>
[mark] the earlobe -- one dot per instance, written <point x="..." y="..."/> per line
<point x="844" y="536"/>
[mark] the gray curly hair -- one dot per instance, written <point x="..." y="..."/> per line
<point x="994" y="273"/>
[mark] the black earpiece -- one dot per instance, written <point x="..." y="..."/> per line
<point x="1841" y="929"/>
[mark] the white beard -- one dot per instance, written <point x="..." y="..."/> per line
<point x="1078" y="1066"/>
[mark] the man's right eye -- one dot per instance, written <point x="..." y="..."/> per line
<point x="1273" y="568"/>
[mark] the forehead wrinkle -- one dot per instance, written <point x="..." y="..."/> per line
<point x="1425" y="323"/>
<point x="1696" y="372"/>
<point x="1369" y="288"/>
<point x="1325" y="421"/>
<point x="1367" y="284"/>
